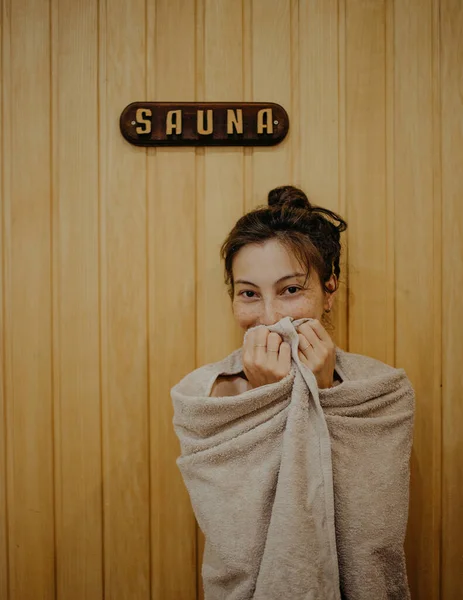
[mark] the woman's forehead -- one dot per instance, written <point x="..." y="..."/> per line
<point x="269" y="260"/>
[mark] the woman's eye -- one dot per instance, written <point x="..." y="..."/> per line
<point x="292" y="290"/>
<point x="246" y="292"/>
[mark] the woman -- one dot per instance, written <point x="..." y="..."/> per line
<point x="275" y="262"/>
<point x="295" y="453"/>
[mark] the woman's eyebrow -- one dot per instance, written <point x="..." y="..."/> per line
<point x="245" y="282"/>
<point x="276" y="282"/>
<point x="289" y="277"/>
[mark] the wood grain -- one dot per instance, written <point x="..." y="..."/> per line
<point x="221" y="202"/>
<point x="219" y="186"/>
<point x="319" y="110"/>
<point x="123" y="269"/>
<point x="28" y="301"/>
<point x="4" y="593"/>
<point x="451" y="60"/>
<point x="172" y="300"/>
<point x="322" y="121"/>
<point x="366" y="177"/>
<point x="418" y="286"/>
<point x="77" y="426"/>
<point x="200" y="76"/>
<point x="271" y="82"/>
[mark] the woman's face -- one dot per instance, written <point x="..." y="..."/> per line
<point x="270" y="284"/>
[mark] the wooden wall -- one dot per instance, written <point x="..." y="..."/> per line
<point x="111" y="285"/>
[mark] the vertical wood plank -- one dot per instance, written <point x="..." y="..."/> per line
<point x="123" y="268"/>
<point x="271" y="82"/>
<point x="3" y="432"/>
<point x="452" y="284"/>
<point x="390" y="355"/>
<point x="318" y="60"/>
<point x="295" y="115"/>
<point x="249" y="202"/>
<point x="76" y="300"/>
<point x="172" y="301"/>
<point x="320" y="122"/>
<point x="219" y="186"/>
<point x="27" y="294"/>
<point x="221" y="203"/>
<point x="340" y="317"/>
<point x="366" y="177"/>
<point x="418" y="276"/>
<point x="200" y="190"/>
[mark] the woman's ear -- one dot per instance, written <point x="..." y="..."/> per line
<point x="332" y="285"/>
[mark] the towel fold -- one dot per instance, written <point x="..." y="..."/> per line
<point x="301" y="493"/>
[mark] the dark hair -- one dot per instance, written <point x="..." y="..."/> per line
<point x="296" y="223"/>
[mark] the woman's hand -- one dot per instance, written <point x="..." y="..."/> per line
<point x="317" y="351"/>
<point x="266" y="358"/>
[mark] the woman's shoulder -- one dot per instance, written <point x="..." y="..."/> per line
<point x="204" y="376"/>
<point x="359" y="366"/>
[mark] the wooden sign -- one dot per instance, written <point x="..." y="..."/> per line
<point x="204" y="123"/>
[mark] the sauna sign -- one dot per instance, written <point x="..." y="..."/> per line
<point x="204" y="123"/>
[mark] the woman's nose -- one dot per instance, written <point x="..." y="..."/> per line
<point x="269" y="315"/>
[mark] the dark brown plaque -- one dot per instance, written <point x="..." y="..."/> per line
<point x="204" y="123"/>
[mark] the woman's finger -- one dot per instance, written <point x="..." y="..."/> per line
<point x="310" y="335"/>
<point x="303" y="358"/>
<point x="260" y="345"/>
<point x="248" y="344"/>
<point x="273" y="341"/>
<point x="253" y="340"/>
<point x="305" y="347"/>
<point x="284" y="358"/>
<point x="317" y="327"/>
<point x="273" y="349"/>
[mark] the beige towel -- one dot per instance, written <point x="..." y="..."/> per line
<point x="301" y="493"/>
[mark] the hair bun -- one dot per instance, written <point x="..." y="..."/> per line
<point x="290" y="196"/>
